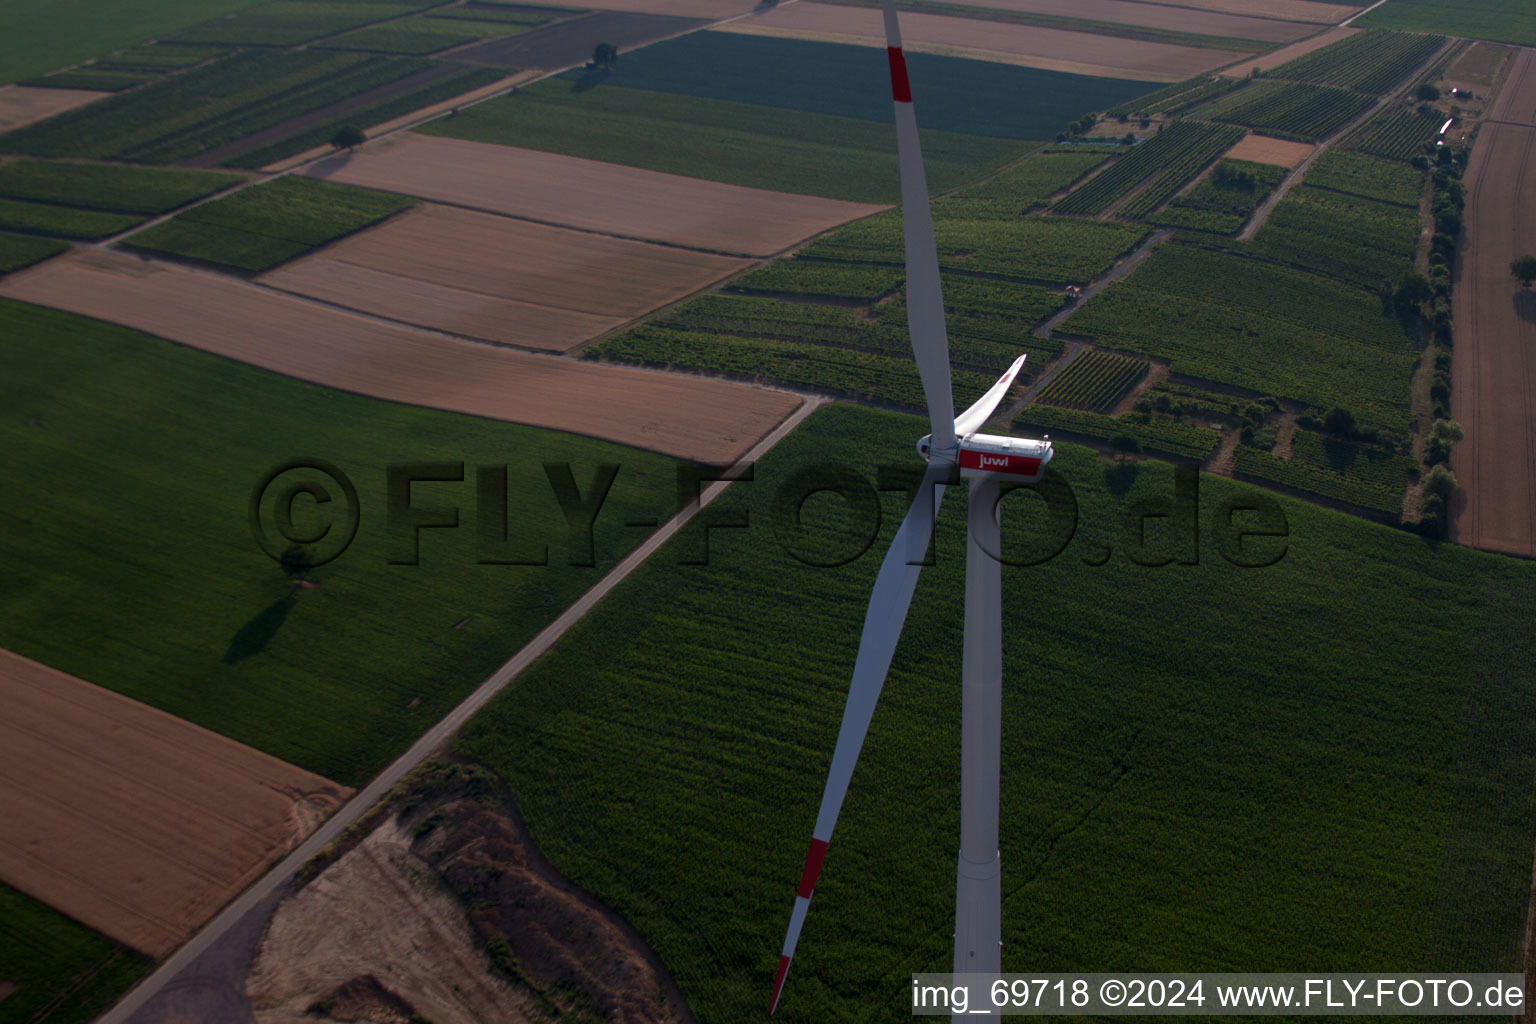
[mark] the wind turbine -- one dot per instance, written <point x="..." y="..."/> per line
<point x="987" y="461"/>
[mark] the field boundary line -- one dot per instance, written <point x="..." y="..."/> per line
<point x="432" y="739"/>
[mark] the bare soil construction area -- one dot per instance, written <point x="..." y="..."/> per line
<point x="686" y="417"/>
<point x="22" y="104"/>
<point x="1494" y="371"/>
<point x="568" y="43"/>
<point x="1241" y="68"/>
<point x="1028" y="45"/>
<point x="1264" y="150"/>
<point x="590" y="194"/>
<point x="131" y="820"/>
<point x="501" y="279"/>
<point x="1150" y="15"/>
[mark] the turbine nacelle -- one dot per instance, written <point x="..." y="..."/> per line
<point x="1018" y="458"/>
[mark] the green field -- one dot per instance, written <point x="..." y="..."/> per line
<point x="743" y="144"/>
<point x="1398" y="133"/>
<point x="421" y="35"/>
<point x="64" y="973"/>
<point x="108" y="186"/>
<point x="953" y="94"/>
<point x="1018" y="189"/>
<point x="1504" y="21"/>
<point x="1159" y="166"/>
<point x="42" y="35"/>
<point x="62" y="221"/>
<point x="1205" y="767"/>
<point x="17" y="251"/>
<point x="1223" y="202"/>
<point x="1366" y="477"/>
<point x="1358" y="174"/>
<point x="1176" y="98"/>
<point x="169" y="600"/>
<point x="89" y="78"/>
<point x="1094" y="381"/>
<point x="1343" y="236"/>
<point x="257" y="228"/>
<point x="1291" y="110"/>
<point x="1371" y="61"/>
<point x="186" y="114"/>
<point x="288" y="22"/>
<point x="1153" y="435"/>
<point x="1225" y="317"/>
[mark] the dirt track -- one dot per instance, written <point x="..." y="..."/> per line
<point x="686" y="417"/>
<point x="1494" y="371"/>
<point x="1241" y="68"/>
<point x="133" y="821"/>
<point x="500" y="279"/>
<point x="590" y="194"/>
<point x="1020" y="44"/>
<point x="23" y="104"/>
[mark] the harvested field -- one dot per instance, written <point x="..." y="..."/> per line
<point x="1275" y="58"/>
<point x="1493" y="391"/>
<point x="1153" y="15"/>
<point x="23" y="104"/>
<point x="133" y="821"/>
<point x="1264" y="150"/>
<point x="590" y="194"/>
<point x="1054" y="49"/>
<point x="569" y="43"/>
<point x="702" y="420"/>
<point x="1286" y="10"/>
<point x="501" y="279"/>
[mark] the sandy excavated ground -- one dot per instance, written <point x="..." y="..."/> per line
<point x="131" y="820"/>
<point x="1242" y="68"/>
<point x="682" y="416"/>
<point x="1265" y="150"/>
<point x="501" y="279"/>
<point x="590" y="194"/>
<point x="1049" y="48"/>
<point x="1151" y="15"/>
<point x="1493" y="380"/>
<point x="23" y="104"/>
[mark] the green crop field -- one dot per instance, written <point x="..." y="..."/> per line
<point x="1204" y="766"/>
<point x="955" y="94"/>
<point x="743" y="144"/>
<point x="17" y="251"/>
<point x="1058" y="250"/>
<point x="257" y="228"/>
<point x="1503" y="21"/>
<point x="421" y="35"/>
<point x="442" y="89"/>
<point x="1223" y="202"/>
<point x="1226" y="317"/>
<point x="64" y="973"/>
<point x="529" y="17"/>
<point x="42" y="35"/>
<point x="1155" y="435"/>
<point x="170" y="601"/>
<point x="813" y="278"/>
<point x="288" y="22"/>
<point x="1162" y="164"/>
<point x="1343" y="236"/>
<point x="1020" y="188"/>
<point x="1386" y="180"/>
<point x="109" y="186"/>
<point x="186" y="114"/>
<point x="1398" y="133"/>
<point x="1371" y="61"/>
<point x="1176" y="98"/>
<point x="1366" y="477"/>
<point x="89" y="78"/>
<point x="1094" y="381"/>
<point x="62" y="221"/>
<point x="158" y="57"/>
<point x="1290" y="110"/>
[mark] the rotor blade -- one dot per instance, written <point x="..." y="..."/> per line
<point x="971" y="420"/>
<point x="888" y="604"/>
<point x="925" y="296"/>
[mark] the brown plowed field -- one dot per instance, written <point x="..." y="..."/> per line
<point x="1493" y="389"/>
<point x="1145" y="15"/>
<point x="131" y="820"/>
<point x="1265" y="150"/>
<point x="501" y="279"/>
<point x="1286" y="10"/>
<point x="23" y="104"/>
<point x="1242" y="68"/>
<point x="686" y="417"/>
<point x="590" y="194"/>
<point x="1020" y="44"/>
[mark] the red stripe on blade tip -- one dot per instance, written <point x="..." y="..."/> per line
<point x="813" y="858"/>
<point x="901" y="89"/>
<point x="778" y="983"/>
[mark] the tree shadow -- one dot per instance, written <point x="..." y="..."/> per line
<point x="1525" y="305"/>
<point x="591" y="78"/>
<point x="253" y="637"/>
<point x="1121" y="476"/>
<point x="1340" y="454"/>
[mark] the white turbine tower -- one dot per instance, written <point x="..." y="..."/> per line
<point x="986" y="461"/>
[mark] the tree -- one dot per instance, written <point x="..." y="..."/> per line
<point x="1443" y="435"/>
<point x="1428" y="92"/>
<point x="1125" y="444"/>
<point x="297" y="560"/>
<point x="348" y="137"/>
<point x="1413" y="289"/>
<point x="1339" y="421"/>
<point x="1524" y="268"/>
<point x="605" y="55"/>
<point x="1440" y="481"/>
